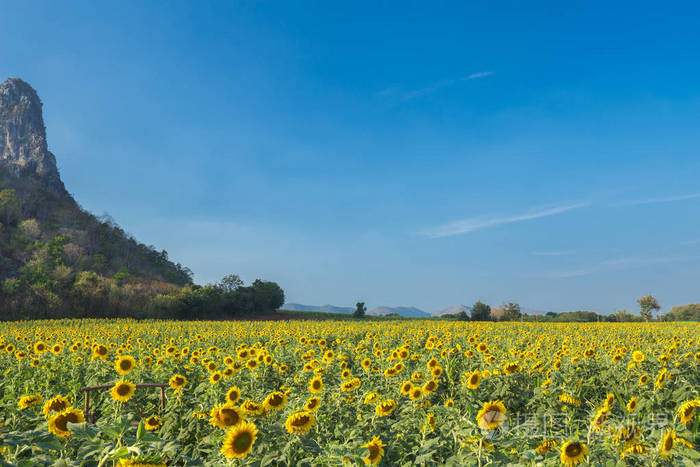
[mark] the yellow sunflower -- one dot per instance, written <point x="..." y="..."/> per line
<point x="239" y="441"/>
<point x="376" y="451"/>
<point x="275" y="401"/>
<point x="252" y="408"/>
<point x="492" y="415"/>
<point x="632" y="404"/>
<point x="58" y="423"/>
<point x="124" y="364"/>
<point x="57" y="404"/>
<point x="300" y="422"/>
<point x="312" y="404"/>
<point x="545" y="446"/>
<point x="28" y="401"/>
<point x="660" y="379"/>
<point x="215" y="377"/>
<point x="233" y="395"/>
<point x="385" y="408"/>
<point x="177" y="382"/>
<point x="123" y="390"/>
<point x="687" y="411"/>
<point x="226" y="416"/>
<point x="667" y="442"/>
<point x="637" y="356"/>
<point x="473" y="380"/>
<point x="152" y="423"/>
<point x="572" y="453"/>
<point x="316" y="385"/>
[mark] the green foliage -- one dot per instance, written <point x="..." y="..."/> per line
<point x="647" y="305"/>
<point x="512" y="311"/>
<point x="689" y="312"/>
<point x="122" y="275"/>
<point x="360" y="310"/>
<point x="481" y="312"/>
<point x="9" y="207"/>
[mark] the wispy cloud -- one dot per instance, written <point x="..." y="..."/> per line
<point x="659" y="200"/>
<point x="476" y="223"/>
<point x="416" y="93"/>
<point x="554" y="253"/>
<point x="691" y="242"/>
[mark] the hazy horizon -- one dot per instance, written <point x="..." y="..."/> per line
<point x="419" y="156"/>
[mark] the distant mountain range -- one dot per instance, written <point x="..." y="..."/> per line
<point x="405" y="311"/>
<point x="452" y="310"/>
<point x="322" y="308"/>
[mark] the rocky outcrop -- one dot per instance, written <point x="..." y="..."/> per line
<point x="23" y="147"/>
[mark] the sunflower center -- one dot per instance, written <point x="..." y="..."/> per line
<point x="668" y="443"/>
<point x="125" y="365"/>
<point x="373" y="451"/>
<point x="241" y="442"/>
<point x="573" y="449"/>
<point x="275" y="400"/>
<point x="123" y="390"/>
<point x="61" y="423"/>
<point x="301" y="420"/>
<point x="229" y="417"/>
<point x="57" y="406"/>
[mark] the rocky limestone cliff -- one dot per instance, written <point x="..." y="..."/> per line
<point x="23" y="147"/>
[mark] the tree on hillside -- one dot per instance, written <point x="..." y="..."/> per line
<point x="230" y="283"/>
<point x="360" y="310"/>
<point x="9" y="207"/>
<point x="512" y="311"/>
<point x="648" y="304"/>
<point x="481" y="312"/>
<point x="268" y="296"/>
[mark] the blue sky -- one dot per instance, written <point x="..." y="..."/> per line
<point x="399" y="153"/>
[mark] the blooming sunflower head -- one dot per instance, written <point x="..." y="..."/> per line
<point x="123" y="390"/>
<point x="385" y="407"/>
<point x="316" y="385"/>
<point x="226" y="416"/>
<point x="252" y="408"/>
<point x="124" y="364"/>
<point x="232" y="395"/>
<point x="239" y="441"/>
<point x="492" y="415"/>
<point x="376" y="451"/>
<point x="152" y="423"/>
<point x="473" y="380"/>
<point x="57" y="404"/>
<point x="58" y="422"/>
<point x="667" y="442"/>
<point x="28" y="401"/>
<point x="687" y="411"/>
<point x="275" y="401"/>
<point x="300" y="422"/>
<point x="177" y="382"/>
<point x="572" y="453"/>
<point x="312" y="404"/>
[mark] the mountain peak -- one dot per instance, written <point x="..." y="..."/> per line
<point x="23" y="147"/>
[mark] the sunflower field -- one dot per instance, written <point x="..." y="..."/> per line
<point x="335" y="393"/>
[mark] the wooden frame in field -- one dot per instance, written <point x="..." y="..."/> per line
<point x="91" y="416"/>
